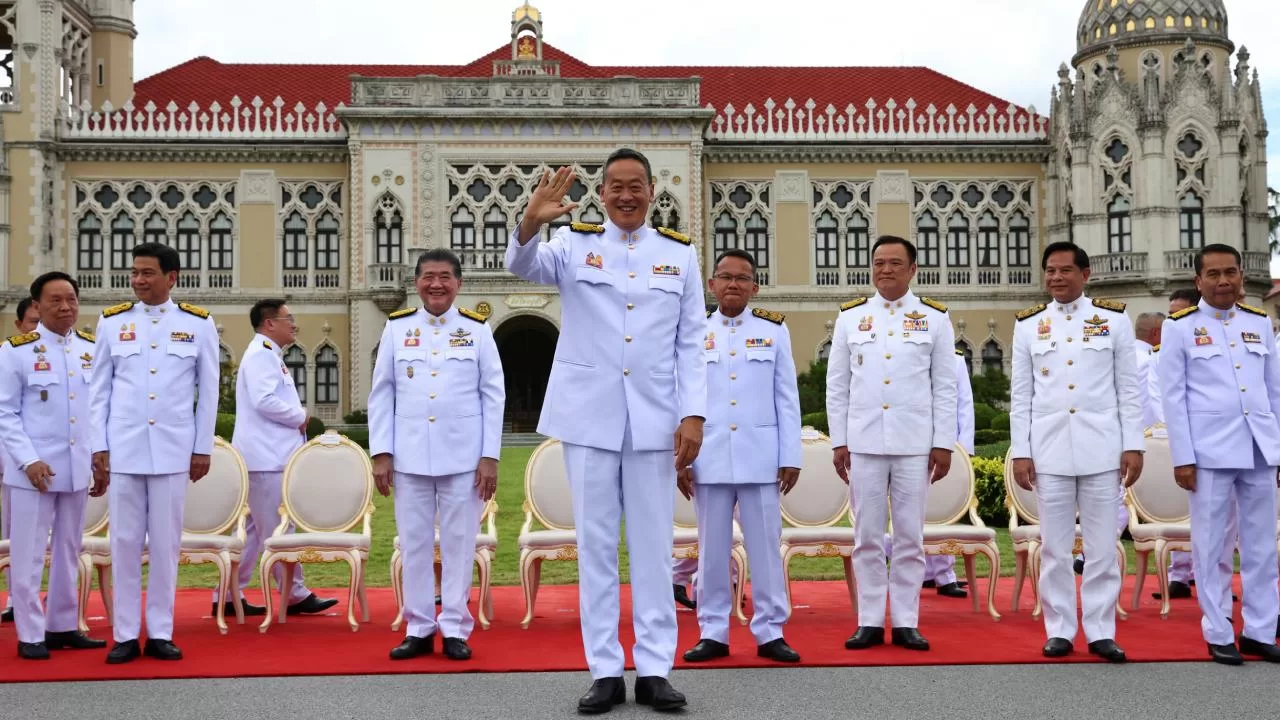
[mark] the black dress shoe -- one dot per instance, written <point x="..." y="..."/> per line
<point x="1278" y="627"/>
<point x="928" y="584"/>
<point x="865" y="637"/>
<point x="72" y="640"/>
<point x="706" y="650"/>
<point x="124" y="652"/>
<point x="161" y="649"/>
<point x="1057" y="647"/>
<point x="412" y="647"/>
<point x="1225" y="654"/>
<point x="6" y="616"/>
<point x="657" y="693"/>
<point x="682" y="597"/>
<point x="439" y="601"/>
<point x="311" y="605"/>
<point x="1177" y="591"/>
<point x="909" y="638"/>
<point x="952" y="590"/>
<point x="603" y="695"/>
<point x="33" y="651"/>
<point x="778" y="650"/>
<point x="1266" y="651"/>
<point x="457" y="649"/>
<point x="1078" y="566"/>
<point x="1108" y="650"/>
<point x="229" y="609"/>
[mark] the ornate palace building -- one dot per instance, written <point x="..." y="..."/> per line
<point x="323" y="182"/>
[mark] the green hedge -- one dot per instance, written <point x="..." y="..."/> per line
<point x="989" y="487"/>
<point x="816" y="420"/>
<point x="983" y="414"/>
<point x="987" y="437"/>
<point x="1000" y="422"/>
<point x="225" y="426"/>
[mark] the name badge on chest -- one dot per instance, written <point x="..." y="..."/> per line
<point x="182" y="337"/>
<point x="1250" y="337"/>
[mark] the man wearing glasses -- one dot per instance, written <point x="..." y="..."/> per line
<point x="271" y="424"/>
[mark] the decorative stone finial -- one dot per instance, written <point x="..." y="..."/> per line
<point x="326" y="328"/>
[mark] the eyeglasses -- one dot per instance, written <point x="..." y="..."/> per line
<point x="285" y="318"/>
<point x="739" y="279"/>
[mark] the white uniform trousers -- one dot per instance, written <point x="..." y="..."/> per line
<point x="146" y="513"/>
<point x="684" y="570"/>
<point x="418" y="499"/>
<point x="941" y="569"/>
<point x="1256" y="491"/>
<point x="5" y="510"/>
<point x="1058" y="497"/>
<point x="877" y="482"/>
<point x="607" y="486"/>
<point x="34" y="514"/>
<point x="1122" y="514"/>
<point x="265" y="490"/>
<point x="1180" y="568"/>
<point x="761" y="518"/>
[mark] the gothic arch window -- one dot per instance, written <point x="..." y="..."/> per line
<point x="308" y="246"/>
<point x="958" y="241"/>
<point x="89" y="244"/>
<point x="295" y="244"/>
<point x="743" y="211"/>
<point x="221" y="254"/>
<point x="295" y="359"/>
<point x="1119" y="226"/>
<point x="726" y="233"/>
<point x="927" y="240"/>
<point x="328" y="249"/>
<point x="989" y="241"/>
<point x="666" y="211"/>
<point x="327" y="371"/>
<point x="826" y="239"/>
<point x="1018" y="244"/>
<point x="388" y="231"/>
<point x="967" y="353"/>
<point x="992" y="357"/>
<point x="463" y="233"/>
<point x="1191" y="222"/>
<point x="591" y="215"/>
<point x="495" y="228"/>
<point x="756" y="241"/>
<point x="842" y="213"/>
<point x="1191" y="156"/>
<point x="122" y="241"/>
<point x="977" y="217"/>
<point x="824" y="352"/>
<point x="156" y="229"/>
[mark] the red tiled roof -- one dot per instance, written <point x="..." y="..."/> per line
<point x="205" y="80"/>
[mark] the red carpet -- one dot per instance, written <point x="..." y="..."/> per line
<point x="819" y="625"/>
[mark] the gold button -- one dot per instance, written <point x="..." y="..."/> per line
<point x="631" y="275"/>
<point x="155" y="320"/>
<point x="71" y="373"/>
<point x="73" y="421"/>
<point x="1241" y="389"/>
<point x="152" y="396"/>
<point x="627" y="338"/>
<point x="886" y="407"/>
<point x="1246" y="412"/>
<point x="732" y="331"/>
<point x="1072" y="411"/>
<point x="153" y="346"/>
<point x="431" y="419"/>
<point x="435" y="332"/>
<point x="151" y="422"/>
<point x="1071" y="387"/>
<point x="153" y="371"/>
<point x="1237" y="366"/>
<point x="1233" y="344"/>
<point x="73" y="442"/>
<point x="1068" y="339"/>
<point x="432" y="396"/>
<point x="1071" y="362"/>
<point x="435" y="352"/>
<point x="626" y="371"/>
<point x="71" y="396"/>
<point x="733" y="402"/>
<point x="434" y="373"/>
<point x="733" y="376"/>
<point x="631" y="306"/>
<point x="732" y="353"/>
<point x="888" y="356"/>
<point x="1068" y="317"/>
<point x="886" y="381"/>
<point x="890" y="333"/>
<point x="733" y="427"/>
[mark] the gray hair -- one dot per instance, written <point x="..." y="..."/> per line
<point x="1146" y="323"/>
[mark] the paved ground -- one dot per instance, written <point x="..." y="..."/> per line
<point x="1044" y="692"/>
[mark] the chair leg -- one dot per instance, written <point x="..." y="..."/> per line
<point x="286" y="585"/>
<point x="360" y="591"/>
<point x="992" y="551"/>
<point x="488" y="560"/>
<point x="482" y="600"/>
<point x="353" y="588"/>
<point x="397" y="588"/>
<point x="84" y="587"/>
<point x="1123" y="558"/>
<point x="1038" y="610"/>
<point x="107" y="592"/>
<point x="971" y="574"/>
<point x="739" y="558"/>
<point x="219" y="608"/>
<point x="268" y="600"/>
<point x="1162" y="573"/>
<point x="1141" y="579"/>
<point x="1019" y="576"/>
<point x="528" y="569"/>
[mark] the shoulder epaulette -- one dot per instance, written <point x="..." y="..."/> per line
<point x="1252" y="309"/>
<point x="934" y="304"/>
<point x="678" y="237"/>
<point x="1031" y="311"/>
<point x="960" y="353"/>
<point x="586" y="228"/>
<point x="86" y="336"/>
<point x="471" y="315"/>
<point x="117" y="309"/>
<point x="1155" y="349"/>
<point x="402" y="313"/>
<point x="853" y="303"/>
<point x="711" y="312"/>
<point x="266" y="344"/>
<point x="194" y="310"/>
<point x="774" y="317"/>
<point x="1184" y="312"/>
<point x="1112" y="305"/>
<point x="24" y="339"/>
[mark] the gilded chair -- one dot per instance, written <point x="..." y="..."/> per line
<point x="328" y="499"/>
<point x="1159" y="518"/>
<point x="812" y="511"/>
<point x="213" y="524"/>
<point x="684" y="545"/>
<point x="95" y="558"/>
<point x="549" y="502"/>
<point x="949" y="501"/>
<point x="486" y="549"/>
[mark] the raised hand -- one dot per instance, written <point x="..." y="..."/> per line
<point x="547" y="203"/>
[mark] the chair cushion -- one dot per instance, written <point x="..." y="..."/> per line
<point x="95" y="545"/>
<point x="483" y="540"/>
<point x="201" y="541"/>
<point x="960" y="533"/>
<point x="836" y="534"/>
<point x="1025" y="534"/>
<point x="547" y="538"/>
<point x="1168" y="531"/>
<point x="317" y="541"/>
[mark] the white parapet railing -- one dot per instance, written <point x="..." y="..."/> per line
<point x="254" y="120"/>
<point x="804" y="122"/>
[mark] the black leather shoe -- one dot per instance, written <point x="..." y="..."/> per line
<point x="706" y="650"/>
<point x="1078" y="566"/>
<point x="33" y="651"/>
<point x="865" y="637"/>
<point x="928" y="584"/>
<point x="952" y="590"/>
<point x="682" y="597"/>
<point x="439" y="601"/>
<point x="1253" y="648"/>
<point x="72" y="640"/>
<point x="603" y="695"/>
<point x="412" y="647"/>
<point x="6" y="616"/>
<point x="1108" y="650"/>
<point x="456" y="649"/>
<point x="1177" y="591"/>
<point x="778" y="650"/>
<point x="124" y="652"/>
<point x="657" y="693"/>
<point x="161" y="649"/>
<point x="311" y="605"/>
<point x="229" y="610"/>
<point x="1278" y="627"/>
<point x="1057" y="647"/>
<point x="909" y="638"/>
<point x="1225" y="654"/>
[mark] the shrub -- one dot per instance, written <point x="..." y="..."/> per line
<point x="816" y="420"/>
<point x="983" y="414"/>
<point x="994" y="450"/>
<point x="224" y="426"/>
<point x="989" y="486"/>
<point x="358" y="417"/>
<point x="1000" y="422"/>
<point x="315" y="426"/>
<point x="991" y="388"/>
<point x="813" y="388"/>
<point x="359" y="436"/>
<point x="987" y="437"/>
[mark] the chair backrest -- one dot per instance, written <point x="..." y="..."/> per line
<point x="1024" y="501"/>
<point x="216" y="502"/>
<point x="328" y="484"/>
<point x="684" y="515"/>
<point x="546" y="487"/>
<point x="949" y="499"/>
<point x="820" y="498"/>
<point x="1155" y="496"/>
<point x="95" y="515"/>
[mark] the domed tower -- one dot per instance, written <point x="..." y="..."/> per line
<point x="1158" y="146"/>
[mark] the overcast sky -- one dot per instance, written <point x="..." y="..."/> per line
<point x="1010" y="48"/>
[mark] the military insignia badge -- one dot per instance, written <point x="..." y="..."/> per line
<point x="1202" y="337"/>
<point x="42" y="365"/>
<point x="759" y="343"/>
<point x="40" y="350"/>
<point x="667" y="270"/>
<point x="409" y="371"/>
<point x="709" y="342"/>
<point x="914" y="324"/>
<point x="128" y="333"/>
<point x="1044" y="328"/>
<point x="460" y="333"/>
<point x="1250" y="337"/>
<point x="595" y="261"/>
<point x="865" y="324"/>
<point x="86" y="362"/>
<point x="460" y="342"/>
<point x="410" y="339"/>
<point x="1096" y="327"/>
<point x="182" y="337"/>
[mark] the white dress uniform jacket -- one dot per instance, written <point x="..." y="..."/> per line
<point x="964" y="410"/>
<point x="268" y="409"/>
<point x="1145" y="355"/>
<point x="616" y="287"/>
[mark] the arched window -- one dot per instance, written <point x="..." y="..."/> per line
<point x="957" y="241"/>
<point x="495" y="228"/>
<point x="221" y="254"/>
<point x="988" y="241"/>
<point x="188" y="242"/>
<point x="463" y="233"/>
<point x="927" y="240"/>
<point x="726" y="229"/>
<point x="757" y="240"/>
<point x="858" y="242"/>
<point x="122" y="241"/>
<point x="327" y="250"/>
<point x="1119" y="226"/>
<point x="226" y="373"/>
<point x="1018" y="247"/>
<point x="591" y="215"/>
<point x="992" y="357"/>
<point x="296" y="361"/>
<point x="295" y="242"/>
<point x="967" y="353"/>
<point x="826" y="239"/>
<point x="388" y="227"/>
<point x="1191" y="222"/>
<point x="89" y="246"/>
<point x="824" y="352"/>
<point x="156" y="230"/>
<point x="327" y="376"/>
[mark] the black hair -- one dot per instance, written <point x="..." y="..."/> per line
<point x="37" y="287"/>
<point x="1216" y="248"/>
<point x="165" y="255"/>
<point x="736" y="253"/>
<point x="23" y="306"/>
<point x="439" y="255"/>
<point x="629" y="154"/>
<point x="1190" y="295"/>
<point x="1079" y="256"/>
<point x="257" y="313"/>
<point x="895" y="240"/>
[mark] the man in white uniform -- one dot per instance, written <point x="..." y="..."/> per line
<point x="1221" y="383"/>
<point x="750" y="454"/>
<point x="271" y="424"/>
<point x="28" y="316"/>
<point x="629" y="358"/>
<point x="44" y="407"/>
<point x="891" y="408"/>
<point x="435" y="432"/>
<point x="1076" y="434"/>
<point x="153" y="403"/>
